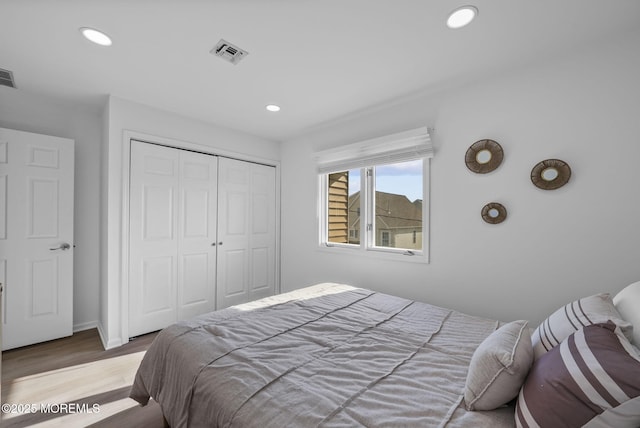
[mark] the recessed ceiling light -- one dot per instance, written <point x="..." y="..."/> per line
<point x="273" y="107"/>
<point x="95" y="36"/>
<point x="462" y="16"/>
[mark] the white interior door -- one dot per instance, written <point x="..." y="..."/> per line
<point x="172" y="232"/>
<point x="246" y="232"/>
<point x="36" y="236"/>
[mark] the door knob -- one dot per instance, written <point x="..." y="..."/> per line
<point x="64" y="247"/>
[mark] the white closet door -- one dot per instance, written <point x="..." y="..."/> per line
<point x="197" y="234"/>
<point x="172" y="229"/>
<point x="246" y="232"/>
<point x="36" y="236"/>
<point x="153" y="242"/>
<point x="262" y="243"/>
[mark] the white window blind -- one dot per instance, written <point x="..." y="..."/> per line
<point x="394" y="148"/>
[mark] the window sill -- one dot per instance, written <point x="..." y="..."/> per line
<point x="374" y="254"/>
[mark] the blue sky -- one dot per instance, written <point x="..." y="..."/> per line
<point x="404" y="178"/>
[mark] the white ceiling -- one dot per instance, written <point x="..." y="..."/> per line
<point x="319" y="60"/>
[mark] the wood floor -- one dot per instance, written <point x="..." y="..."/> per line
<point x="78" y="382"/>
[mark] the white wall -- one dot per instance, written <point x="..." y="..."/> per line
<point x="35" y="113"/>
<point x="125" y="116"/>
<point x="555" y="245"/>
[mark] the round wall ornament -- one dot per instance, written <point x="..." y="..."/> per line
<point x="484" y="156"/>
<point x="494" y="213"/>
<point x="550" y="174"/>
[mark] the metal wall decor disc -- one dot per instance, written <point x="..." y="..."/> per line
<point x="550" y="174"/>
<point x="484" y="156"/>
<point x="494" y="213"/>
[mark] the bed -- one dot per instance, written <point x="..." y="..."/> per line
<point x="326" y="355"/>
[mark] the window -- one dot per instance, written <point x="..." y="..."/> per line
<point x="384" y="241"/>
<point x="391" y="196"/>
<point x="378" y="206"/>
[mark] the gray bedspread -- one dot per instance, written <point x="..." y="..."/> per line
<point x="328" y="355"/>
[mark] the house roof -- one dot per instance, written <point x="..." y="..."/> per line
<point x="392" y="211"/>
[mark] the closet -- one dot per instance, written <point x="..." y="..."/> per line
<point x="202" y="234"/>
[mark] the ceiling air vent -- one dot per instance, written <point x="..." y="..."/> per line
<point x="6" y="78"/>
<point x="229" y="52"/>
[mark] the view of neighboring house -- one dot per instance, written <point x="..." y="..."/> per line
<point x="398" y="222"/>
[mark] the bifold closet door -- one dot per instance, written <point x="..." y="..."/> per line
<point x="246" y="232"/>
<point x="172" y="252"/>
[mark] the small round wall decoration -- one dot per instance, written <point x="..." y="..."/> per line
<point x="484" y="156"/>
<point x="494" y="213"/>
<point x="550" y="174"/>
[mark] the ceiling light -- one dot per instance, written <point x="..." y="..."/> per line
<point x="462" y="16"/>
<point x="95" y="36"/>
<point x="273" y="107"/>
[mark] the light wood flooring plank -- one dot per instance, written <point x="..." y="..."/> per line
<point x="78" y="383"/>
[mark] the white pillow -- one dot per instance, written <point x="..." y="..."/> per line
<point x="627" y="302"/>
<point x="572" y="317"/>
<point x="499" y="367"/>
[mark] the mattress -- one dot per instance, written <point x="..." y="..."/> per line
<point x="327" y="355"/>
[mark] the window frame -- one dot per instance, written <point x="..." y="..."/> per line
<point x="367" y="246"/>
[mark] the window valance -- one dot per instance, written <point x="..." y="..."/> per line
<point x="399" y="147"/>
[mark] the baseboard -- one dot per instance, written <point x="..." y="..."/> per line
<point x="85" y="326"/>
<point x="103" y="338"/>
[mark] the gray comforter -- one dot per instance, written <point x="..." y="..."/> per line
<point x="327" y="355"/>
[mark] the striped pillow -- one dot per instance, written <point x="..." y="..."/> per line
<point x="572" y="317"/>
<point x="591" y="379"/>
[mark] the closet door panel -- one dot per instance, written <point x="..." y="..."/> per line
<point x="157" y="211"/>
<point x="235" y="268"/>
<point x="260" y="270"/>
<point x="262" y="237"/>
<point x="235" y="226"/>
<point x="197" y="235"/>
<point x="246" y="231"/>
<point x="153" y="253"/>
<point x="196" y="209"/>
<point x="233" y="233"/>
<point x="195" y="289"/>
<point x="157" y="284"/>
<point x="173" y="216"/>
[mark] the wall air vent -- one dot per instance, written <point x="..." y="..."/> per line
<point x="229" y="52"/>
<point x="6" y="78"/>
